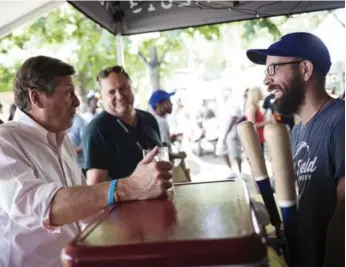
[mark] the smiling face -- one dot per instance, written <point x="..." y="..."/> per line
<point x="116" y="93"/>
<point x="287" y="84"/>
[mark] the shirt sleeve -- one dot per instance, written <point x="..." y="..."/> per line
<point x="73" y="135"/>
<point x="81" y="129"/>
<point x="25" y="198"/>
<point x="153" y="121"/>
<point x="338" y="148"/>
<point x="94" y="148"/>
<point x="77" y="130"/>
<point x="156" y="126"/>
<point x="164" y="133"/>
<point x="236" y="112"/>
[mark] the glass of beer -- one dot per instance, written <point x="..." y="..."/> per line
<point x="162" y="155"/>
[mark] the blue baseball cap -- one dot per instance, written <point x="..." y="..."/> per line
<point x="299" y="44"/>
<point x="158" y="96"/>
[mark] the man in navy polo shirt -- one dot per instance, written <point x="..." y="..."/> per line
<point x="114" y="140"/>
<point x="296" y="69"/>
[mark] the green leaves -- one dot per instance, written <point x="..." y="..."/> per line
<point x="6" y="77"/>
<point x="252" y="27"/>
<point x="91" y="48"/>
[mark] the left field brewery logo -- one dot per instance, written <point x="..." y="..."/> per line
<point x="304" y="162"/>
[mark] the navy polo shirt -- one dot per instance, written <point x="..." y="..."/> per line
<point x="113" y="146"/>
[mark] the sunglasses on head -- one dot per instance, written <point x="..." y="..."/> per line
<point x="105" y="72"/>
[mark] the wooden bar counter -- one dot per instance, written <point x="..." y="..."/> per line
<point x="203" y="224"/>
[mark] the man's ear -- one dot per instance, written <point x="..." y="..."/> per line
<point x="36" y="98"/>
<point x="307" y="69"/>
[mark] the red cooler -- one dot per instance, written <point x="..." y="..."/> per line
<point x="203" y="224"/>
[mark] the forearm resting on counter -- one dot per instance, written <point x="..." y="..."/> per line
<point x="75" y="203"/>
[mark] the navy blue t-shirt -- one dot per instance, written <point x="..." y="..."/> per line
<point x="112" y="146"/>
<point x="318" y="149"/>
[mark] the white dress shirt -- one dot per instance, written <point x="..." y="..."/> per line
<point x="34" y="165"/>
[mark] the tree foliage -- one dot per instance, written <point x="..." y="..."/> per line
<point x="93" y="48"/>
<point x="154" y="50"/>
<point x="253" y="26"/>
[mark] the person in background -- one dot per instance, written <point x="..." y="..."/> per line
<point x="162" y="106"/>
<point x="178" y="120"/>
<point x="245" y="95"/>
<point x="268" y="105"/>
<point x="243" y="116"/>
<point x="228" y="144"/>
<point x="1" y="122"/>
<point x="91" y="112"/>
<point x="253" y="112"/>
<point x="296" y="69"/>
<point x="13" y="109"/>
<point x="75" y="134"/>
<point x="42" y="191"/>
<point x="114" y="140"/>
<point x="331" y="92"/>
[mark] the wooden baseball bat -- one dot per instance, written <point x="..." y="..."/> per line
<point x="253" y="151"/>
<point x="277" y="138"/>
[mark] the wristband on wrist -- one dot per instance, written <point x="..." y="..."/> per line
<point x="111" y="192"/>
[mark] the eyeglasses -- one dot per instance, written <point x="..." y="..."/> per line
<point x="270" y="70"/>
<point x="105" y="72"/>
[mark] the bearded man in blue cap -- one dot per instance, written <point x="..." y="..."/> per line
<point x="296" y="69"/>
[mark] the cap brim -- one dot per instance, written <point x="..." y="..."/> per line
<point x="258" y="56"/>
<point x="172" y="93"/>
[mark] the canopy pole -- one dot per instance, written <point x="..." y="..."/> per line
<point x="120" y="50"/>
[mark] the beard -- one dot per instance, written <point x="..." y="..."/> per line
<point x="292" y="98"/>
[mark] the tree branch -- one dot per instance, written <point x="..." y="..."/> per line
<point x="145" y="61"/>
<point x="337" y="18"/>
<point x="164" y="54"/>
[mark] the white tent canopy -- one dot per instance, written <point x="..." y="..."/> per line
<point x="16" y="13"/>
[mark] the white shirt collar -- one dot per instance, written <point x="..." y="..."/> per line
<point x="52" y="138"/>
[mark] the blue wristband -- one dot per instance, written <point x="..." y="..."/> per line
<point x="112" y="188"/>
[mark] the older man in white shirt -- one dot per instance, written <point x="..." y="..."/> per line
<point x="42" y="191"/>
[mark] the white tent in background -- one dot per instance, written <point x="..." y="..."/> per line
<point x="335" y="41"/>
<point x="16" y="13"/>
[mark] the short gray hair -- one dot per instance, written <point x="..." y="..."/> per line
<point x="38" y="73"/>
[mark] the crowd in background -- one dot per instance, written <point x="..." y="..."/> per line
<point x="175" y="122"/>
